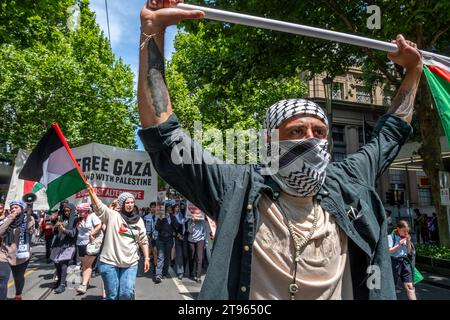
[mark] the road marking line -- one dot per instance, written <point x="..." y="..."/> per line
<point x="27" y="273"/>
<point x="182" y="290"/>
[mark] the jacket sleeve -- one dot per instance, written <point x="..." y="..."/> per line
<point x="175" y="225"/>
<point x="158" y="224"/>
<point x="193" y="172"/>
<point x="72" y="233"/>
<point x="5" y="225"/>
<point x="102" y="213"/>
<point x="370" y="161"/>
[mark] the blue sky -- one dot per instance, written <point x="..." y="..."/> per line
<point x="124" y="28"/>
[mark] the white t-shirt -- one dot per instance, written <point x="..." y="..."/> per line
<point x="85" y="227"/>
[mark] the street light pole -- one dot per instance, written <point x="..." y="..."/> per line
<point x="328" y="86"/>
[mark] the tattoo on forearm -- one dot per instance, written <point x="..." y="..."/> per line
<point x="403" y="104"/>
<point x="156" y="79"/>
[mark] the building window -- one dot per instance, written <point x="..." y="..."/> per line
<point x="337" y="91"/>
<point x="396" y="177"/>
<point x="363" y="96"/>
<point x="339" y="147"/>
<point x="338" y="134"/>
<point x="339" y="152"/>
<point x="425" y="198"/>
<point x="387" y="97"/>
<point x="367" y="130"/>
<point x="6" y="162"/>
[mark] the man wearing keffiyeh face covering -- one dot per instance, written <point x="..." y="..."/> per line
<point x="303" y="156"/>
<point x="313" y="229"/>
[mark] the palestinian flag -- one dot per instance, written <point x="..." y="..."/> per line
<point x="52" y="165"/>
<point x="126" y="232"/>
<point x="437" y="72"/>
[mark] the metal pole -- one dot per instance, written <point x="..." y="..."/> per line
<point x="107" y="21"/>
<point x="277" y="25"/>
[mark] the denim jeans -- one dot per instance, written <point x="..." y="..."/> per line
<point x="5" y="272"/>
<point x="181" y="256"/>
<point x="164" y="252"/>
<point x="119" y="282"/>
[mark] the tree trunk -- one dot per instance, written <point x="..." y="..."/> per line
<point x="430" y="152"/>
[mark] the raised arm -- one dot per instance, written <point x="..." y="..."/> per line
<point x="153" y="97"/>
<point x="204" y="180"/>
<point x="101" y="210"/>
<point x="409" y="58"/>
<point x="390" y="133"/>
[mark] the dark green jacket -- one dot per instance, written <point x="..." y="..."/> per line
<point x="230" y="194"/>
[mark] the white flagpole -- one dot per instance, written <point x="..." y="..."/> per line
<point x="264" y="23"/>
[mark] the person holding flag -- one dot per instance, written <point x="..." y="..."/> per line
<point x="310" y="230"/>
<point x="124" y="236"/>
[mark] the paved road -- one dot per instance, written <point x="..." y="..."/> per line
<point x="39" y="280"/>
<point x="426" y="291"/>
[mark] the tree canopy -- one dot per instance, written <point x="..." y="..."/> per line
<point x="216" y="64"/>
<point x="52" y="72"/>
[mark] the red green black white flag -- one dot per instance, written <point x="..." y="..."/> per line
<point x="52" y="165"/>
<point x="437" y="72"/>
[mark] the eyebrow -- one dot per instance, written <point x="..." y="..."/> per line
<point x="298" y="126"/>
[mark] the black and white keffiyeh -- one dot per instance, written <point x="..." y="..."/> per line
<point x="302" y="166"/>
<point x="286" y="109"/>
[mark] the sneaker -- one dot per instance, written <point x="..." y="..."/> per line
<point x="18" y="297"/>
<point x="60" y="289"/>
<point x="198" y="280"/>
<point x="82" y="289"/>
<point x="158" y="279"/>
<point x="180" y="277"/>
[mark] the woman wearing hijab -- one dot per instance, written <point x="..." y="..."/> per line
<point x="125" y="235"/>
<point x="15" y="233"/>
<point x="63" y="248"/>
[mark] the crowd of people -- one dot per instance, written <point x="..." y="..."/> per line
<point x="114" y="240"/>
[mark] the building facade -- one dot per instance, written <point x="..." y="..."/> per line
<point x="354" y="112"/>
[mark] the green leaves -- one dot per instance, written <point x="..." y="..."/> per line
<point x="432" y="250"/>
<point x="53" y="75"/>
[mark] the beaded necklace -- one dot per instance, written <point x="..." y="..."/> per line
<point x="299" y="244"/>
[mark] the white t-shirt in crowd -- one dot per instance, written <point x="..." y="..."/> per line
<point x="85" y="227"/>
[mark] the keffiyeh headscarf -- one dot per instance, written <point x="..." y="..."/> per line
<point x="301" y="163"/>
<point x="286" y="109"/>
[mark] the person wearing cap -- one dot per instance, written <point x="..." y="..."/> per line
<point x="15" y="252"/>
<point x="309" y="228"/>
<point x="89" y="227"/>
<point x="166" y="226"/>
<point x="124" y="237"/>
